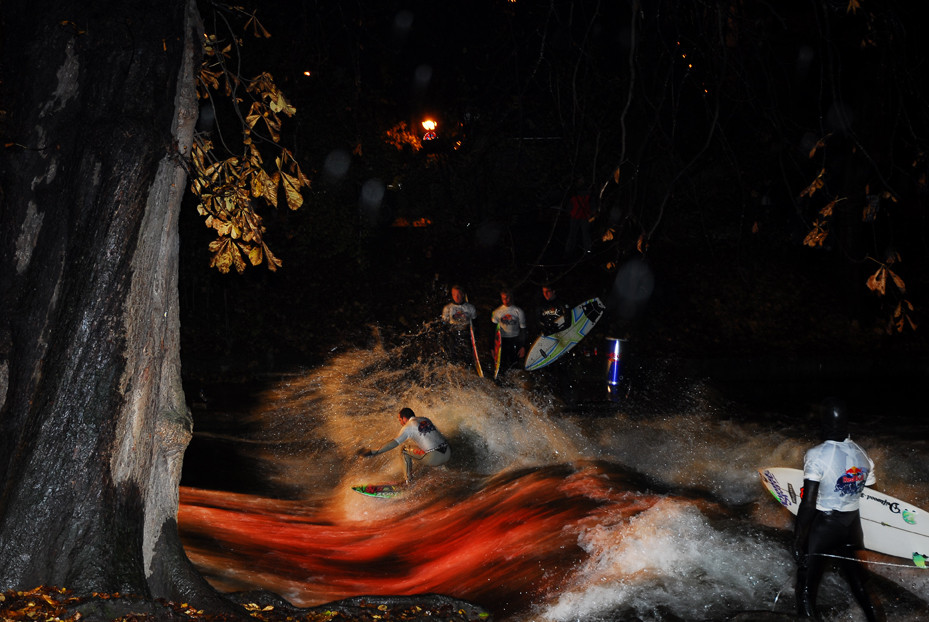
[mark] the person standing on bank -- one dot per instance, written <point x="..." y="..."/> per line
<point x="429" y="447"/>
<point x="834" y="475"/>
<point x="579" y="215"/>
<point x="458" y="316"/>
<point x="552" y="315"/>
<point x="512" y="322"/>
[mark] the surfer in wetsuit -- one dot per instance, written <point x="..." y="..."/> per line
<point x="551" y="315"/>
<point x="429" y="449"/>
<point x="458" y="316"/>
<point x="512" y="322"/>
<point x="828" y="523"/>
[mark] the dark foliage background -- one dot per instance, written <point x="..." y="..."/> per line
<point x="702" y="136"/>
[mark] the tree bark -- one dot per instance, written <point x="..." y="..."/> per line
<point x="93" y="421"/>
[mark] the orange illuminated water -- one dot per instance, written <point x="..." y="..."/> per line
<point x="508" y="544"/>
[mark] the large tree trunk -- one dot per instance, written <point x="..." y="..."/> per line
<point x="93" y="422"/>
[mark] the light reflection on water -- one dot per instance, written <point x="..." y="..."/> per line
<point x="546" y="512"/>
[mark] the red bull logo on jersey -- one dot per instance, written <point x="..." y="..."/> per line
<point x="424" y="426"/>
<point x="509" y="320"/>
<point x="852" y="481"/>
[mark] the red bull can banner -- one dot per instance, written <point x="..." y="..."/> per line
<point x="614" y="366"/>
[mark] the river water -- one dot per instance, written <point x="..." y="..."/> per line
<point x="557" y="504"/>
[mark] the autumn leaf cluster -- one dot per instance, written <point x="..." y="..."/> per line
<point x="878" y="282"/>
<point x="228" y="186"/>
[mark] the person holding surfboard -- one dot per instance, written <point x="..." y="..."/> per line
<point x="828" y="522"/>
<point x="552" y="315"/>
<point x="511" y="326"/>
<point x="459" y="315"/>
<point x="429" y="447"/>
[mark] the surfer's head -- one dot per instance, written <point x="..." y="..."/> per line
<point x="833" y="420"/>
<point x="406" y="414"/>
<point x="458" y="294"/>
<point x="548" y="292"/>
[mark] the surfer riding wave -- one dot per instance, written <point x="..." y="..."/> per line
<point x="429" y="447"/>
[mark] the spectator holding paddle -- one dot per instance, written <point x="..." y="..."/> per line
<point x="834" y="474"/>
<point x="428" y="447"/>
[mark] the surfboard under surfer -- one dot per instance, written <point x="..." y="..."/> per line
<point x="428" y="447"/>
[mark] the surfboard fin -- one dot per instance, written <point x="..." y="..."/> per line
<point x="919" y="560"/>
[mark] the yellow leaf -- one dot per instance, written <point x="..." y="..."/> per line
<point x="222" y="256"/>
<point x="258" y="184"/>
<point x="256" y="158"/>
<point x="616" y="175"/>
<point x="304" y="180"/>
<point x="828" y="208"/>
<point x="816" y="185"/>
<point x="820" y="143"/>
<point x="212" y="171"/>
<point x="270" y="187"/>
<point x="280" y="104"/>
<point x="273" y="262"/>
<point x="877" y="281"/>
<point x="254" y="255"/>
<point x="238" y="262"/>
<point x="292" y="191"/>
<point x="853" y="6"/>
<point x="224" y="228"/>
<point x="817" y="236"/>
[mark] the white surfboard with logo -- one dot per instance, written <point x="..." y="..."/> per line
<point x="890" y="526"/>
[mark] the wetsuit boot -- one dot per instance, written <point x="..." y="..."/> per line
<point x="806" y="600"/>
<point x="853" y="575"/>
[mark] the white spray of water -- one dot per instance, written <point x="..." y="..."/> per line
<point x="669" y="559"/>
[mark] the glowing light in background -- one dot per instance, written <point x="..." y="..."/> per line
<point x="429" y="125"/>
